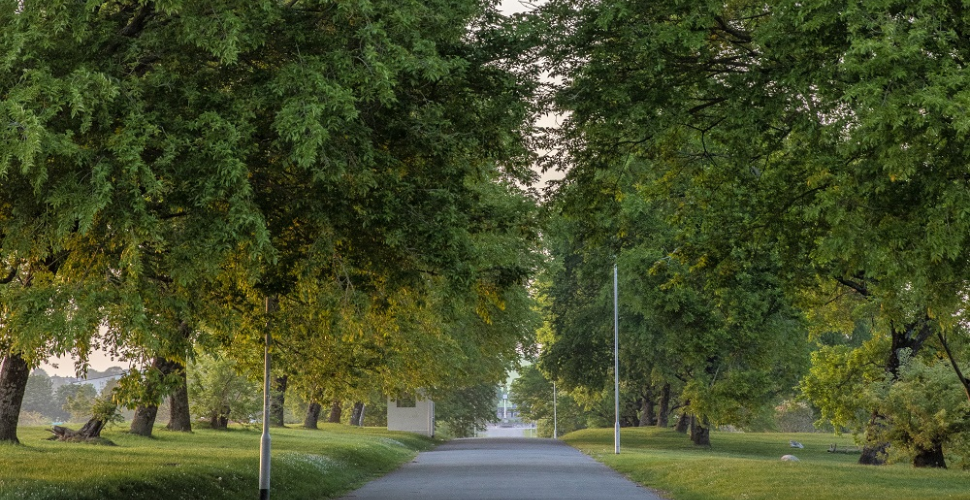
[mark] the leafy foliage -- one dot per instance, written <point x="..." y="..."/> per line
<point x="169" y="168"/>
<point x="466" y="410"/>
<point x="810" y="149"/>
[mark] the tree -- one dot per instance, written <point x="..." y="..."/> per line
<point x="180" y="418"/>
<point x="466" y="410"/>
<point x="79" y="400"/>
<point x="791" y="127"/>
<point x="532" y="393"/>
<point x="732" y="346"/>
<point x="926" y="409"/>
<point x="219" y="393"/>
<point x="100" y="412"/>
<point x="190" y="171"/>
<point x="39" y="395"/>
<point x="13" y="382"/>
<point x="312" y="415"/>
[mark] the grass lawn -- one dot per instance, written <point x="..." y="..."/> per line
<point x="748" y="466"/>
<point x="204" y="464"/>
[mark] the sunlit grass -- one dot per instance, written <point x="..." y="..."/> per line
<point x="204" y="464"/>
<point x="749" y="466"/>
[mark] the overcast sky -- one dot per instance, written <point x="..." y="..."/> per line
<point x="515" y="6"/>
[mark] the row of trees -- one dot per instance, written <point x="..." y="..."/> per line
<point x="762" y="173"/>
<point x="179" y="178"/>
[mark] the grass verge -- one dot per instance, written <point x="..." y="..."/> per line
<point x="749" y="466"/>
<point x="204" y="464"/>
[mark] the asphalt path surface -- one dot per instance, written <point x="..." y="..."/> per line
<point x="502" y="469"/>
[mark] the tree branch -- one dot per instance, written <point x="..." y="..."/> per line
<point x="740" y="35"/>
<point x="137" y="23"/>
<point x="953" y="363"/>
<point x="860" y="288"/>
<point x="709" y="102"/>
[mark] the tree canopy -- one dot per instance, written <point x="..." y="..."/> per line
<point x="812" y="149"/>
<point x="167" y="167"/>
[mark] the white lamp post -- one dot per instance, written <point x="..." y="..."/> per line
<point x="616" y="360"/>
<point x="264" y="442"/>
<point x="555" y="416"/>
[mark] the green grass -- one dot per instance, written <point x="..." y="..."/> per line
<point x="204" y="464"/>
<point x="748" y="466"/>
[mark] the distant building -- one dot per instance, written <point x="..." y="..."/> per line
<point x="99" y="381"/>
<point x="412" y="414"/>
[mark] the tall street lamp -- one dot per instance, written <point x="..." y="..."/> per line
<point x="264" y="442"/>
<point x="555" y="416"/>
<point x="616" y="360"/>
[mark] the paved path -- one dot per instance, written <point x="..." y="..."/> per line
<point x="502" y="469"/>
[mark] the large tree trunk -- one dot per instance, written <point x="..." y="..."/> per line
<point x="700" y="431"/>
<point x="276" y="409"/>
<point x="13" y="383"/>
<point x="664" y="414"/>
<point x="357" y="415"/>
<point x="336" y="410"/>
<point x="683" y="423"/>
<point x="312" y="416"/>
<point x="930" y="458"/>
<point x="180" y="419"/>
<point x="143" y="422"/>
<point x="648" y="415"/>
<point x="911" y="338"/>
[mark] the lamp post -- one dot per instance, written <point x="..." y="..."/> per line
<point x="555" y="416"/>
<point x="616" y="360"/>
<point x="264" y="442"/>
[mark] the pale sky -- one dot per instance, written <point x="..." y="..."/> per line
<point x="100" y="361"/>
<point x="516" y="6"/>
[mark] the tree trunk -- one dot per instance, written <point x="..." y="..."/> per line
<point x="336" y="410"/>
<point x="13" y="383"/>
<point x="628" y="414"/>
<point x="930" y="458"/>
<point x="700" y="431"/>
<point x="357" y="415"/>
<point x="874" y="451"/>
<point x="664" y="414"/>
<point x="312" y="416"/>
<point x="683" y="423"/>
<point x="648" y="415"/>
<point x="143" y="422"/>
<point x="91" y="431"/>
<point x="276" y="409"/>
<point x="180" y="419"/>
<point x="219" y="419"/>
<point x="911" y="337"/>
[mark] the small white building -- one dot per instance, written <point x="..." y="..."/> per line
<point x="411" y="414"/>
